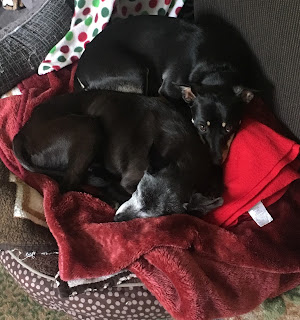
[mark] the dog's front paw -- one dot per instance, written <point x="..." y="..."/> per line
<point x="202" y="205"/>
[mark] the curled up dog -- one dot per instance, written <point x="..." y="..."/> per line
<point x="133" y="139"/>
<point x="164" y="55"/>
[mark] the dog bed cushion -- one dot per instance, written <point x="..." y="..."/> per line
<point x="127" y="301"/>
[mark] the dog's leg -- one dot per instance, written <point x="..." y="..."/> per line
<point x="77" y="168"/>
<point x="133" y="176"/>
<point x="168" y="88"/>
<point x="117" y="71"/>
<point x="81" y="154"/>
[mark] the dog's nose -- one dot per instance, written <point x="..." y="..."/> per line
<point x="122" y="217"/>
<point x="217" y="160"/>
<point x="118" y="218"/>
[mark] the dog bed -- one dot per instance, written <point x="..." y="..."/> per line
<point x="188" y="265"/>
<point x="191" y="254"/>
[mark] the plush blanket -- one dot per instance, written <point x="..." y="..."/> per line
<point x="195" y="268"/>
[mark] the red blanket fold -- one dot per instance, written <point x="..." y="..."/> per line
<point x="196" y="269"/>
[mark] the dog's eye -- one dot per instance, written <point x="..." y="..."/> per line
<point x="228" y="128"/>
<point x="203" y="128"/>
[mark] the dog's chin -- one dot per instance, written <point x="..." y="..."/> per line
<point x="226" y="150"/>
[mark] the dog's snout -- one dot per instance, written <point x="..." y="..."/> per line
<point x="217" y="160"/>
<point x="122" y="217"/>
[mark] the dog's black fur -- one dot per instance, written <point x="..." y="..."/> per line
<point x="124" y="135"/>
<point x="154" y="54"/>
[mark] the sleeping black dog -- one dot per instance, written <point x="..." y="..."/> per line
<point x="124" y="135"/>
<point x="154" y="54"/>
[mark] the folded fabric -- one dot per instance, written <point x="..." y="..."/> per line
<point x="257" y="168"/>
<point x="196" y="269"/>
<point x="29" y="203"/>
<point x="75" y="287"/>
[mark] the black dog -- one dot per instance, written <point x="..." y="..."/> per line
<point x="124" y="135"/>
<point x="151" y="54"/>
<point x="68" y="134"/>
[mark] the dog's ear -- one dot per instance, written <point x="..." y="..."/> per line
<point x="187" y="93"/>
<point x="245" y="94"/>
<point x="201" y="204"/>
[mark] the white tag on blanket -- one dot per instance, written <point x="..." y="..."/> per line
<point x="260" y="214"/>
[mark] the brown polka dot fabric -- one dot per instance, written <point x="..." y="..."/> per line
<point x="130" y="302"/>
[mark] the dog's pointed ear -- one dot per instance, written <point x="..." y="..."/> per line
<point x="245" y="94"/>
<point x="187" y="93"/>
<point x="201" y="204"/>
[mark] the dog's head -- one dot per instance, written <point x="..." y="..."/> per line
<point x="157" y="195"/>
<point x="216" y="113"/>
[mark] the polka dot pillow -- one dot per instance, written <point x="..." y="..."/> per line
<point x="91" y="17"/>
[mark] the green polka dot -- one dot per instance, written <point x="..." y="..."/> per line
<point x="145" y="13"/>
<point x="61" y="59"/>
<point x="78" y="21"/>
<point x="46" y="67"/>
<point x="172" y="3"/>
<point x="88" y="21"/>
<point x="69" y="36"/>
<point x="75" y="3"/>
<point x="81" y="4"/>
<point x="78" y="49"/>
<point x="95" y="32"/>
<point x="104" y="12"/>
<point x="96" y="3"/>
<point x="53" y="49"/>
<point x="161" y="12"/>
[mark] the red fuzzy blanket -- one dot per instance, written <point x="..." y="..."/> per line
<point x="195" y="268"/>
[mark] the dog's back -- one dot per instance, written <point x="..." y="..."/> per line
<point x="127" y="61"/>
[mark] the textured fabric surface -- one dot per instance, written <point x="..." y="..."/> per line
<point x="272" y="31"/>
<point x="129" y="303"/>
<point x="23" y="48"/>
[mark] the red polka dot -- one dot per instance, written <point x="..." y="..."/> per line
<point x="167" y="2"/>
<point x="47" y="61"/>
<point x="86" y="11"/>
<point x="124" y="11"/>
<point x="96" y="17"/>
<point x="86" y="43"/>
<point x="82" y="36"/>
<point x="65" y="49"/>
<point x="152" y="3"/>
<point x="74" y="59"/>
<point x="56" y="68"/>
<point x="104" y="25"/>
<point x="178" y="10"/>
<point x="138" y="7"/>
